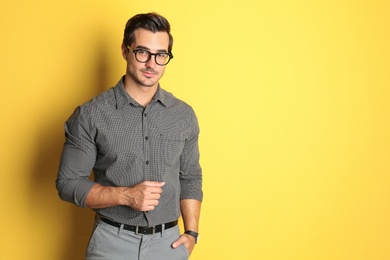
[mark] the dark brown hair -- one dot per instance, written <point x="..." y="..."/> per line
<point x="152" y="22"/>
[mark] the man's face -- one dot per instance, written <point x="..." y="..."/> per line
<point x="145" y="74"/>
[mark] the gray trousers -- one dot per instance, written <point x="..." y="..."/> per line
<point x="111" y="243"/>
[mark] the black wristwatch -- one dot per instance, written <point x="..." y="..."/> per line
<point x="193" y="234"/>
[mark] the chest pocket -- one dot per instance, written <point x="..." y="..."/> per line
<point x="171" y="146"/>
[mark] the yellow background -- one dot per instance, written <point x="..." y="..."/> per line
<point x="292" y="97"/>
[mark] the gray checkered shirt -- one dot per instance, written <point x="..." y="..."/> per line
<point x="125" y="144"/>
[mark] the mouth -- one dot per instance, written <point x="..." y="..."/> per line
<point x="149" y="73"/>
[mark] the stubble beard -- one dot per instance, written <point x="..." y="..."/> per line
<point x="145" y="82"/>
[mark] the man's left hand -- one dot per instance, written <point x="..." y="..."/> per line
<point x="187" y="240"/>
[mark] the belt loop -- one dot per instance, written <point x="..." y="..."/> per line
<point x="154" y="230"/>
<point x="162" y="230"/>
<point x="120" y="229"/>
<point x="136" y="230"/>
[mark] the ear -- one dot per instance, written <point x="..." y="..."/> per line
<point x="124" y="51"/>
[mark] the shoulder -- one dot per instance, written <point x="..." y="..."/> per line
<point x="180" y="110"/>
<point x="107" y="98"/>
<point x="171" y="101"/>
<point x="86" y="111"/>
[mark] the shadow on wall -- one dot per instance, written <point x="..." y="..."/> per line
<point x="43" y="193"/>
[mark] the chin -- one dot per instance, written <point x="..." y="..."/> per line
<point x="148" y="84"/>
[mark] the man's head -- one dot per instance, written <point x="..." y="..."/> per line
<point x="146" y="47"/>
<point x="152" y="22"/>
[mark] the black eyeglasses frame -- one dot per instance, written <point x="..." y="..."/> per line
<point x="150" y="55"/>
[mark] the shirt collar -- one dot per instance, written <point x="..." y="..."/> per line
<point x="123" y="98"/>
<point x="160" y="96"/>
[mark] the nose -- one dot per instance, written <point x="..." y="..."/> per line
<point x="151" y="63"/>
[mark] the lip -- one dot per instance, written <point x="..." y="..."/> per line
<point x="148" y="74"/>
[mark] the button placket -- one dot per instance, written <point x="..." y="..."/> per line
<point x="145" y="130"/>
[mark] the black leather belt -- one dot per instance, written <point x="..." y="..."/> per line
<point x="141" y="230"/>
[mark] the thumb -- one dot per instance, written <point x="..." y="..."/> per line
<point x="154" y="183"/>
<point x="178" y="242"/>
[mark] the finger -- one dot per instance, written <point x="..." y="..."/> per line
<point x="154" y="183"/>
<point x="149" y="205"/>
<point x="178" y="242"/>
<point x="153" y="190"/>
<point x="153" y="196"/>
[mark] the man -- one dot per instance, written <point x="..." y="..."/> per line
<point x="142" y="145"/>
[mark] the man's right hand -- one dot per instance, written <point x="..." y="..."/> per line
<point x="142" y="197"/>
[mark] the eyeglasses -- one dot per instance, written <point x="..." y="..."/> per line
<point x="144" y="56"/>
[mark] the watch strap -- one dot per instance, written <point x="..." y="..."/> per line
<point x="193" y="234"/>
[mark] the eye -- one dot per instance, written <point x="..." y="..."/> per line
<point x="162" y="55"/>
<point x="142" y="52"/>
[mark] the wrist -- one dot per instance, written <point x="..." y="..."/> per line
<point x="194" y="234"/>
<point x="121" y="196"/>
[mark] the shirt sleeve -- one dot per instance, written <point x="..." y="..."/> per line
<point x="77" y="159"/>
<point x="190" y="169"/>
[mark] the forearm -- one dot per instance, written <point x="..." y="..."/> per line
<point x="190" y="210"/>
<point x="103" y="197"/>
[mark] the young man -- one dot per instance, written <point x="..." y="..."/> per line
<point x="142" y="145"/>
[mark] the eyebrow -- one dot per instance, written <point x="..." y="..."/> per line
<point x="146" y="48"/>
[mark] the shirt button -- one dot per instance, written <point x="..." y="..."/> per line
<point x="145" y="114"/>
<point x="146" y="138"/>
<point x="147" y="162"/>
